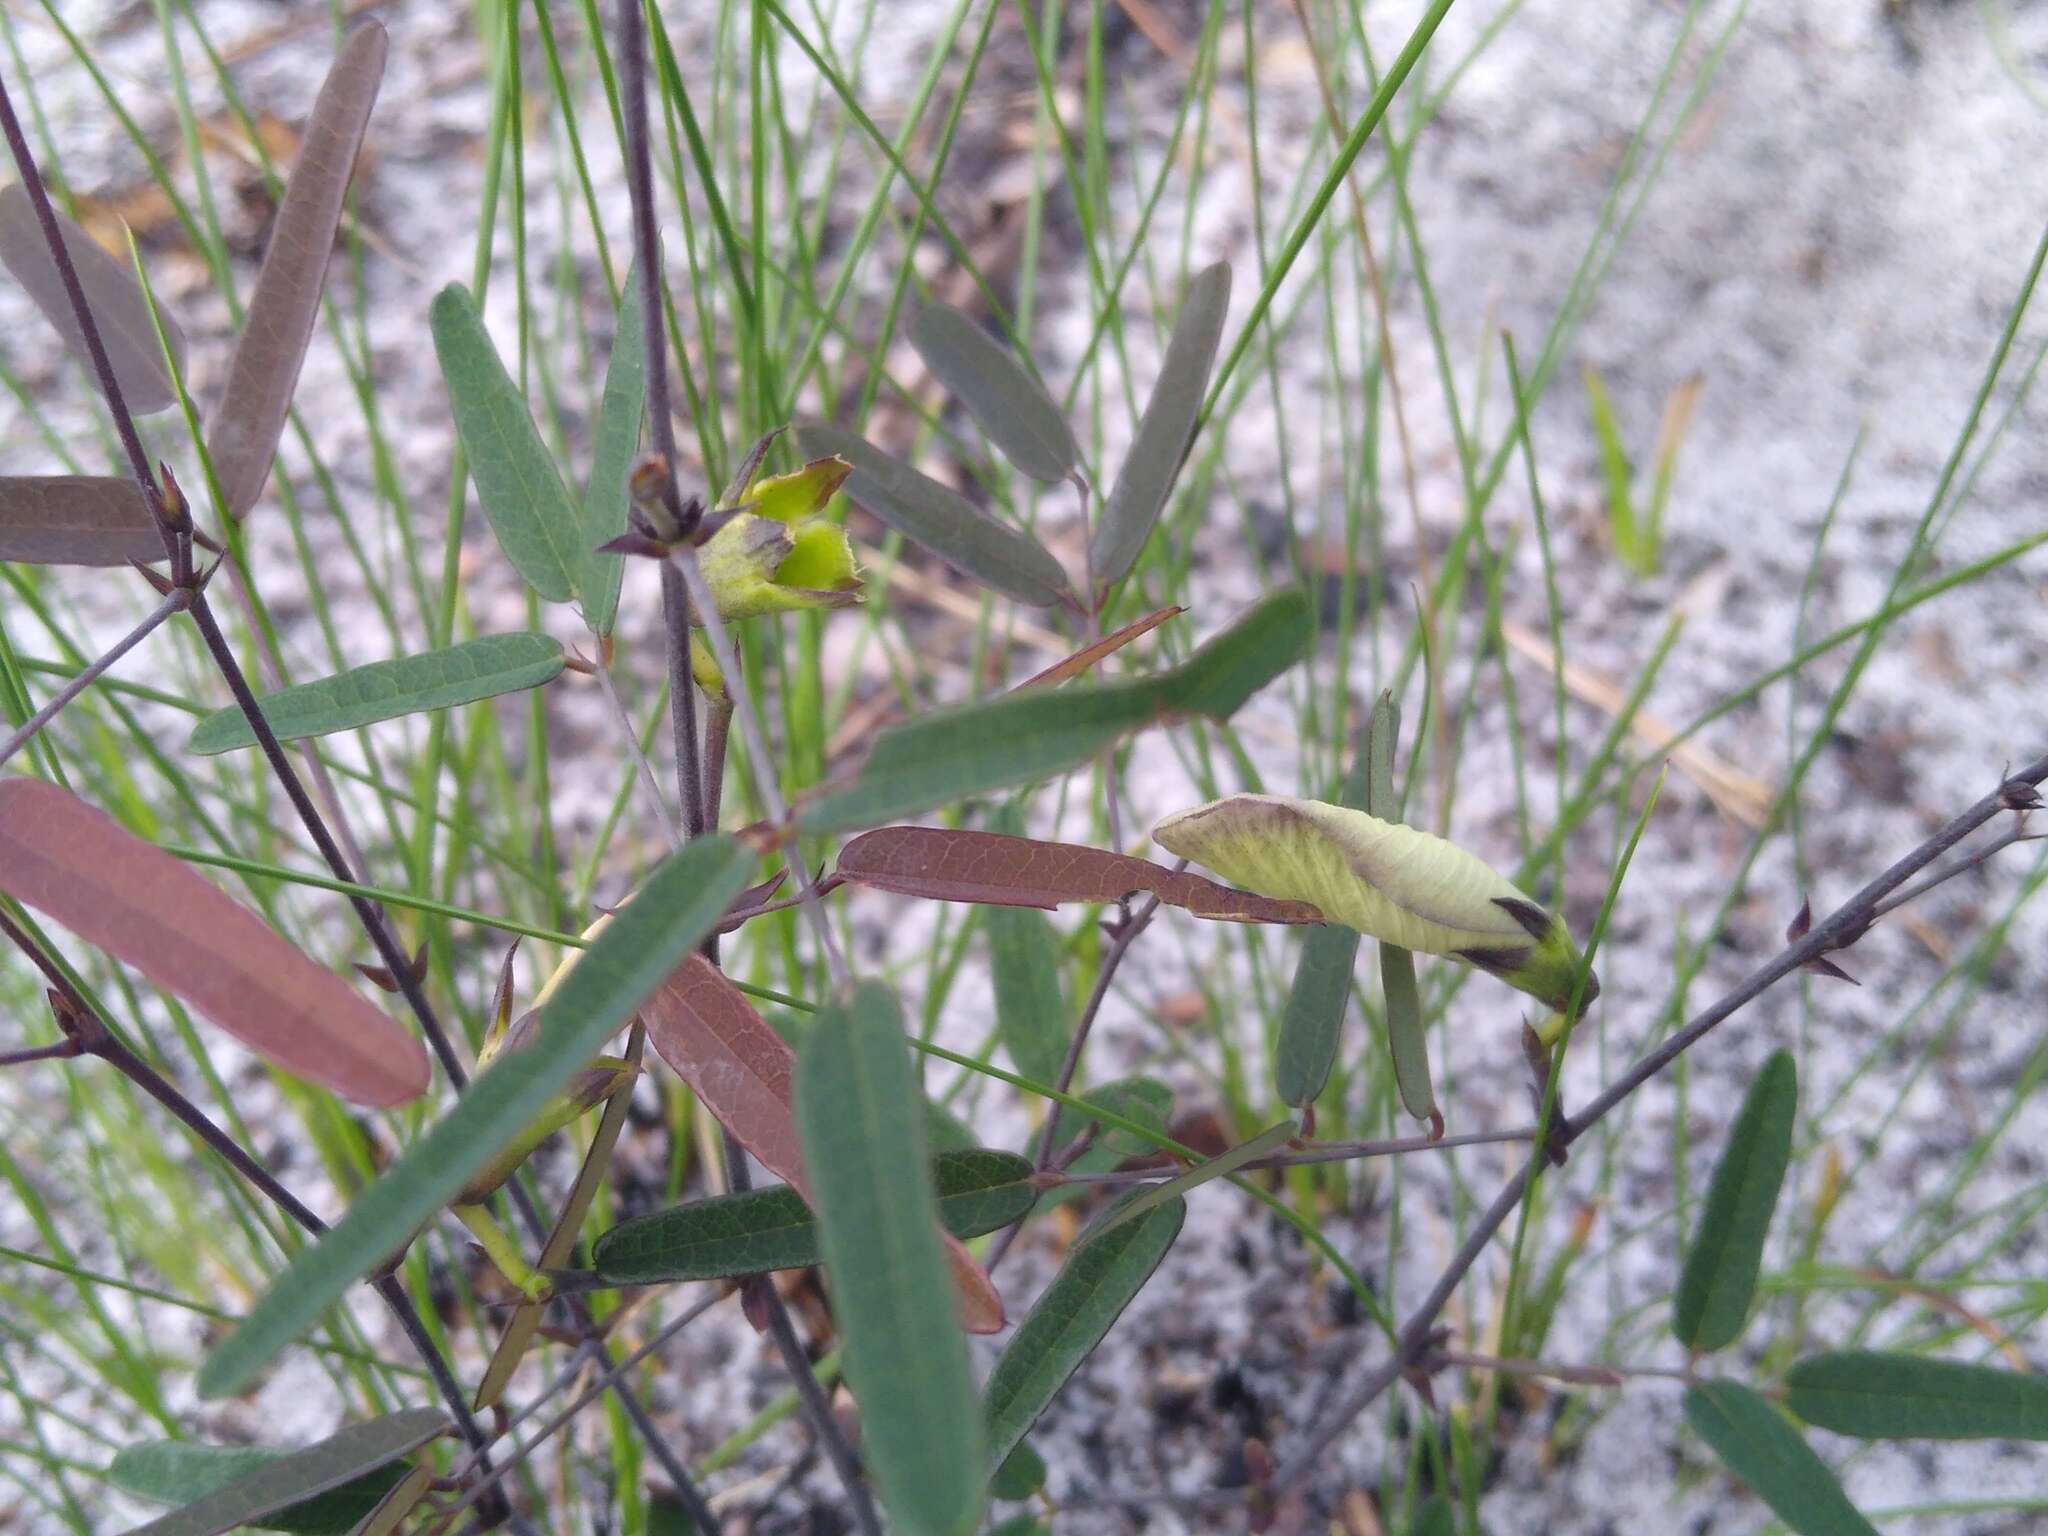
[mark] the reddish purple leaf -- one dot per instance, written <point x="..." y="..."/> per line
<point x="76" y="520"/>
<point x="268" y="354"/>
<point x="81" y="868"/>
<point x="943" y="864"/>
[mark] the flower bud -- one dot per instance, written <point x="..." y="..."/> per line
<point x="1392" y="882"/>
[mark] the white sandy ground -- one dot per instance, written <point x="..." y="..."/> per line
<point x="1832" y="248"/>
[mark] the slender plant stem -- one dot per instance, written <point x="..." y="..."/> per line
<point x="27" y="1054"/>
<point x="1308" y="1155"/>
<point x="175" y="601"/>
<point x="1842" y="928"/>
<point x="649" y="786"/>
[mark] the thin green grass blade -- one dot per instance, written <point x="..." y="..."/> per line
<point x="1009" y="404"/>
<point x="1757" y="1444"/>
<point x="111" y="292"/>
<point x="516" y="479"/>
<point x="669" y="916"/>
<point x="1268" y="1141"/>
<point x="1166" y="430"/>
<point x="1021" y="737"/>
<point x="385" y="690"/>
<point x="76" y="520"/>
<point x="944" y="522"/>
<point x="1436" y="1517"/>
<point x="759" y="1230"/>
<point x="616" y="443"/>
<point x="1882" y="1395"/>
<point x="1623" y="526"/>
<point x="1719" y="1280"/>
<point x="263" y="374"/>
<point x="272" y="1483"/>
<point x="1101" y="1275"/>
<point x="906" y="1359"/>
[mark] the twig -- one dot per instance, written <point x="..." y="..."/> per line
<point x="174" y="602"/>
<point x="1842" y="928"/>
<point x="2016" y="833"/>
<point x="1309" y="1154"/>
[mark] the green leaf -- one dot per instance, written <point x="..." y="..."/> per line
<point x="1757" y="1444"/>
<point x="1010" y="405"/>
<point x="1719" y="1280"/>
<point x="669" y="916"/>
<point x="614" y="446"/>
<point x="1407" y="1039"/>
<point x="1024" y="965"/>
<point x="516" y="479"/>
<point x="1879" y="1395"/>
<point x="928" y="513"/>
<point x="1101" y="1275"/>
<point x="385" y="690"/>
<point x="1268" y="1141"/>
<point x="767" y="1229"/>
<point x="1167" y="430"/>
<point x="324" y="1487"/>
<point x="1436" y="1517"/>
<point x="1145" y="1101"/>
<point x="1016" y="738"/>
<point x="906" y="1359"/>
<point x="1021" y="1475"/>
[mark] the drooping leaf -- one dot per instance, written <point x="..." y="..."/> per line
<point x="614" y="446"/>
<point x="877" y="1214"/>
<point x="120" y="312"/>
<point x="738" y="1066"/>
<point x="327" y="1486"/>
<point x="944" y="522"/>
<point x="1086" y="658"/>
<point x="1882" y="1395"/>
<point x="998" y="870"/>
<point x="766" y="1229"/>
<point x="1397" y="884"/>
<point x="76" y="520"/>
<point x="1166" y="431"/>
<point x="1407" y="1040"/>
<point x="517" y="482"/>
<point x="263" y="374"/>
<point x="1757" y="1444"/>
<point x="1021" y="1474"/>
<point x="1011" y="406"/>
<point x="385" y="690"/>
<point x="1024" y="969"/>
<point x="1086" y="1297"/>
<point x="1017" y="738"/>
<point x="80" y="867"/>
<point x="976" y="1301"/>
<point x="1719" y="1279"/>
<point x="672" y="913"/>
<point x="526" y="1318"/>
<point x="1221" y="1166"/>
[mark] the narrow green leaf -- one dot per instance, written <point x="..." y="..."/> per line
<point x="1719" y="1280"/>
<point x="1757" y="1444"/>
<point x="120" y="311"/>
<point x="1268" y="1141"/>
<point x="327" y="1486"/>
<point x="615" y="444"/>
<point x="76" y="520"/>
<point x="517" y="482"/>
<point x="1407" y="1041"/>
<point x="1010" y="405"/>
<point x="906" y="1359"/>
<point x="1166" y="431"/>
<point x="670" y="915"/>
<point x="1086" y="1297"/>
<point x="396" y="1505"/>
<point x="1880" y="1395"/>
<point x="928" y="513"/>
<point x="1017" y="738"/>
<point x="1436" y="1517"/>
<point x="767" y="1229"/>
<point x="1021" y="1475"/>
<point x="1024" y="966"/>
<point x="263" y="373"/>
<point x="385" y="690"/>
